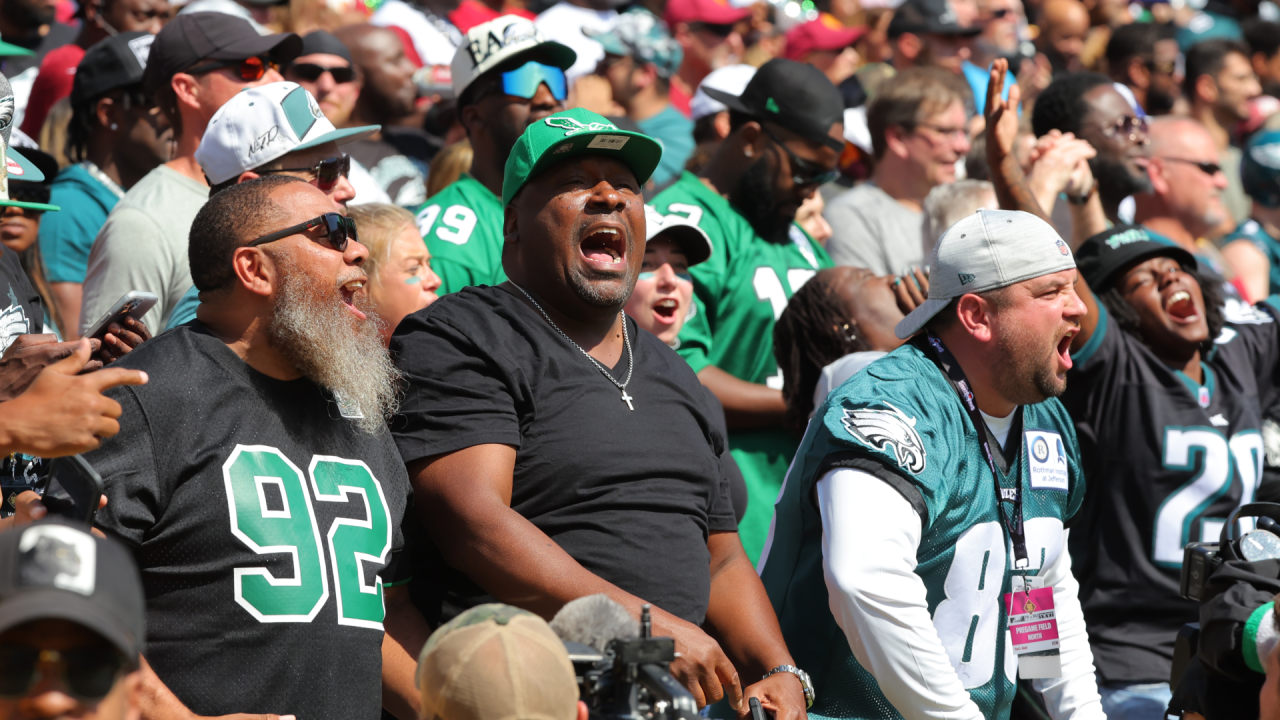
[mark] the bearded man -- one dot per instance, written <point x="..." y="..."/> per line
<point x="255" y="479"/>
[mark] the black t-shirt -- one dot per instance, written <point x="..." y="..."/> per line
<point x="631" y="495"/>
<point x="263" y="522"/>
<point x="1167" y="461"/>
<point x="22" y="311"/>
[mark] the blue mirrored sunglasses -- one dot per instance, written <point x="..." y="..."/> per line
<point x="524" y="80"/>
<point x="649" y="275"/>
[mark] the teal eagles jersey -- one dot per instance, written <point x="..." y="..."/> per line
<point x="739" y="293"/>
<point x="901" y="420"/>
<point x="462" y="226"/>
<point x="1253" y="231"/>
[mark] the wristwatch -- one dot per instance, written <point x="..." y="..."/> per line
<point x="1083" y="198"/>
<point x="805" y="682"/>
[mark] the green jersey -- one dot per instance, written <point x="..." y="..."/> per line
<point x="901" y="420"/>
<point x="462" y="226"/>
<point x="740" y="292"/>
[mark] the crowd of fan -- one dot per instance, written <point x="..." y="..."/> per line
<point x="148" y="142"/>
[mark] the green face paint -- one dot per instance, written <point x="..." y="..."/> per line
<point x="414" y="280"/>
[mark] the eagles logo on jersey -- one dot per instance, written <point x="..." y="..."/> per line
<point x="888" y="429"/>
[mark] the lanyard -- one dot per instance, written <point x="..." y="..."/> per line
<point x="1012" y="522"/>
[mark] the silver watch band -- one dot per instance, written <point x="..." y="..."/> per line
<point x="805" y="683"/>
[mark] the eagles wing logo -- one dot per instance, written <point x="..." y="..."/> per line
<point x="574" y="127"/>
<point x="880" y="429"/>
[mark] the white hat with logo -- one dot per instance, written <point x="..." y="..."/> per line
<point x="499" y="41"/>
<point x="988" y="250"/>
<point x="263" y="124"/>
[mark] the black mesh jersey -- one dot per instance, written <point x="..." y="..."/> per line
<point x="1167" y="460"/>
<point x="264" y="523"/>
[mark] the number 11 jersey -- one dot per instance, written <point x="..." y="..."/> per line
<point x="1168" y="459"/>
<point x="264" y="522"/>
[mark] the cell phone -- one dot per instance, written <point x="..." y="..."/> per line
<point x="74" y="489"/>
<point x="133" y="304"/>
<point x="757" y="711"/>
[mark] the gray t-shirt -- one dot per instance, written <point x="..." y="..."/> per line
<point x="874" y="231"/>
<point x="143" y="246"/>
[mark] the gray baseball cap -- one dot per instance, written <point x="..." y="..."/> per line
<point x="988" y="250"/>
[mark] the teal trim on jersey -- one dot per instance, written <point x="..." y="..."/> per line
<point x="1252" y="232"/>
<point x="901" y="420"/>
<point x="1250" y="649"/>
<point x="1273" y="301"/>
<point x="1081" y="356"/>
<point x="397" y="583"/>
<point x="1194" y="387"/>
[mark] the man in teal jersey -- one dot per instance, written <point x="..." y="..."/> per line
<point x="506" y="77"/>
<point x="1254" y="248"/>
<point x="932" y="484"/>
<point x="786" y="136"/>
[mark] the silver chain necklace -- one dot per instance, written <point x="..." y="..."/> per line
<point x="626" y="339"/>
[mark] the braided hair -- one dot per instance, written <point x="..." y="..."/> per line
<point x="1127" y="318"/>
<point x="1062" y="106"/>
<point x="813" y="332"/>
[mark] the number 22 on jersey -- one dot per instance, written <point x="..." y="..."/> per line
<point x="272" y="513"/>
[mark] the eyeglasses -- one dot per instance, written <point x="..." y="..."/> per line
<point x="1208" y="168"/>
<point x="89" y="673"/>
<point x="250" y="69"/>
<point x="803" y="172"/>
<point x="948" y="132"/>
<point x="310" y="72"/>
<point x="719" y="30"/>
<point x="652" y="274"/>
<point x="338" y="230"/>
<point x="327" y="172"/>
<point x="1128" y="127"/>
<point x="524" y="80"/>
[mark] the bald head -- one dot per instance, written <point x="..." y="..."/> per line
<point x="1063" y="26"/>
<point x="1068" y="13"/>
<point x="387" y="91"/>
<point x="1186" y="180"/>
<point x="1180" y="136"/>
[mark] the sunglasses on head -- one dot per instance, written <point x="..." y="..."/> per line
<point x="88" y="673"/>
<point x="327" y="172"/>
<point x="338" y="230"/>
<point x="1208" y="168"/>
<point x="249" y="69"/>
<point x="310" y="72"/>
<point x="803" y="172"/>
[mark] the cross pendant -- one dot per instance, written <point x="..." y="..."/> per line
<point x="627" y="399"/>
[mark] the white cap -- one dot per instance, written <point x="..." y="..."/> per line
<point x="491" y="44"/>
<point x="988" y="250"/>
<point x="262" y="124"/>
<point x="731" y="79"/>
<point x="692" y="239"/>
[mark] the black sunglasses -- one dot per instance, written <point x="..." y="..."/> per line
<point x="311" y="72"/>
<point x="803" y="172"/>
<point x="338" y="230"/>
<point x="717" y="29"/>
<point x="1208" y="168"/>
<point x="327" y="171"/>
<point x="89" y="673"/>
<point x="249" y="69"/>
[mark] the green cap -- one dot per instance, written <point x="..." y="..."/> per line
<point x="569" y="134"/>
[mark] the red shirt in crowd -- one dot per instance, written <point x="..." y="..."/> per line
<point x="57" y="74"/>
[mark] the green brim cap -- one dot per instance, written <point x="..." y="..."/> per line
<point x="572" y="133"/>
<point x="11" y="50"/>
<point x="46" y="207"/>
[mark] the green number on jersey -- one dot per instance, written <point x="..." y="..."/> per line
<point x="1179" y="512"/>
<point x="291" y="529"/>
<point x="352" y="543"/>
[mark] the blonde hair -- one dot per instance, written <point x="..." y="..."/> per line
<point x="448" y="166"/>
<point x="379" y="225"/>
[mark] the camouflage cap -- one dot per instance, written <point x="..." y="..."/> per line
<point x="639" y="33"/>
<point x="496" y="662"/>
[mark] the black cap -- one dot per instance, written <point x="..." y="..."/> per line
<point x="795" y="95"/>
<point x="116" y="62"/>
<point x="1104" y="255"/>
<point x="928" y="17"/>
<point x="192" y="37"/>
<point x="53" y="569"/>
<point x="323" y="42"/>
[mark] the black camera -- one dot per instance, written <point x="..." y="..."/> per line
<point x="631" y="679"/>
<point x="1201" y="559"/>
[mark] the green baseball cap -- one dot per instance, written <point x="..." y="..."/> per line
<point x="572" y="133"/>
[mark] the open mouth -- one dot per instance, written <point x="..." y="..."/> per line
<point x="1064" y="348"/>
<point x="1181" y="307"/>
<point x="348" y="292"/>
<point x="605" y="246"/>
<point x="664" y="310"/>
